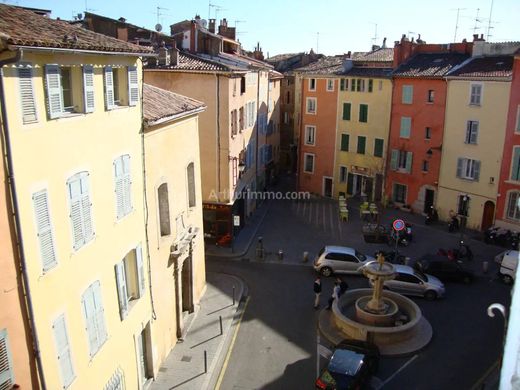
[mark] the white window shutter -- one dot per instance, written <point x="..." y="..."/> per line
<point x="6" y="365"/>
<point x="88" y="88"/>
<point x="109" y="88"/>
<point x="100" y="313"/>
<point x="27" y="95"/>
<point x="122" y="292"/>
<point x="133" y="86"/>
<point x="476" y="170"/>
<point x="127" y="184"/>
<point x="409" y="162"/>
<point x="44" y="230"/>
<point x="119" y="187"/>
<point x="393" y="159"/>
<point x="54" y="94"/>
<point x="64" y="355"/>
<point x="141" y="275"/>
<point x="86" y="206"/>
<point x="74" y="187"/>
<point x="460" y="163"/>
<point x="474" y="133"/>
<point x="89" y="313"/>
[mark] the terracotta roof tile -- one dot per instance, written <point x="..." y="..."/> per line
<point x="430" y="65"/>
<point x="26" y="28"/>
<point x="379" y="55"/>
<point x="368" y="72"/>
<point x="325" y="65"/>
<point x="159" y="104"/>
<point x="486" y="67"/>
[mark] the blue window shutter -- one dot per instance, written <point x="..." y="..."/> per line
<point x="54" y="93"/>
<point x="88" y="88"/>
<point x="6" y="363"/>
<point x="133" y="86"/>
<point x="515" y="171"/>
<point x="405" y="127"/>
<point x="460" y="164"/>
<point x="109" y="88"/>
<point x="64" y="355"/>
<point x="393" y="160"/>
<point x="409" y="162"/>
<point x="122" y="292"/>
<point x="27" y="94"/>
<point x="44" y="228"/>
<point x="141" y="274"/>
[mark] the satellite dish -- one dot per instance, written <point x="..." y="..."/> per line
<point x="158" y="27"/>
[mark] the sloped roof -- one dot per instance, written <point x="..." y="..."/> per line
<point x="492" y="67"/>
<point x="161" y="104"/>
<point x="325" y="65"/>
<point x="379" y="55"/>
<point x="26" y="28"/>
<point x="368" y="72"/>
<point x="430" y="65"/>
<point x="190" y="62"/>
<point x="282" y="57"/>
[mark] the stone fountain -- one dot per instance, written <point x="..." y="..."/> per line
<point x="391" y="321"/>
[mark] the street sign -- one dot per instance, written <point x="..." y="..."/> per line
<point x="398" y="225"/>
<point x="236" y="220"/>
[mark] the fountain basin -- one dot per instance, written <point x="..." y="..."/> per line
<point x="387" y="317"/>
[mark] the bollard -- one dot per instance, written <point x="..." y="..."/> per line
<point x="205" y="362"/>
<point x="485" y="266"/>
<point x="233" y="295"/>
<point x="220" y="320"/>
<point x="280" y="255"/>
<point x="305" y="257"/>
<point x="260" y="248"/>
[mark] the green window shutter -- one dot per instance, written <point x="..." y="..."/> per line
<point x="109" y="88"/>
<point x="6" y="364"/>
<point x="346" y="111"/>
<point x="406" y="124"/>
<point x="361" y="144"/>
<point x="370" y="85"/>
<point x="393" y="159"/>
<point x="141" y="275"/>
<point x="515" y="172"/>
<point x="344" y="142"/>
<point x="378" y="147"/>
<point x="358" y="85"/>
<point x="27" y="94"/>
<point x="43" y="225"/>
<point x="61" y="339"/>
<point x="133" y="86"/>
<point x="409" y="162"/>
<point x="122" y="292"/>
<point x="88" y="88"/>
<point x="54" y="93"/>
<point x="363" y="113"/>
<point x="342" y="84"/>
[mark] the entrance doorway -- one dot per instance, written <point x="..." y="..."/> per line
<point x="327" y="187"/>
<point x="187" y="287"/>
<point x="429" y="195"/>
<point x="488" y="215"/>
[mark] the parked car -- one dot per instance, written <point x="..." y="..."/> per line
<point x="351" y="366"/>
<point x="508" y="261"/>
<point x="444" y="269"/>
<point x="409" y="281"/>
<point x="340" y="259"/>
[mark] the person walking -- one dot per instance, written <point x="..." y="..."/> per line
<point x="317" y="292"/>
<point x="343" y="286"/>
<point x="335" y="294"/>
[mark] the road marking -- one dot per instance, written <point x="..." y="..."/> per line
<point x="228" y="355"/>
<point x="398" y="371"/>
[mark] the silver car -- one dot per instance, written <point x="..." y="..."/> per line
<point x="409" y="281"/>
<point x="340" y="259"/>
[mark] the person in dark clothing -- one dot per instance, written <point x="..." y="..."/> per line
<point x="343" y="286"/>
<point x="317" y="292"/>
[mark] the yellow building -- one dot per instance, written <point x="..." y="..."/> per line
<point x="475" y="123"/>
<point x="73" y="121"/>
<point x="174" y="218"/>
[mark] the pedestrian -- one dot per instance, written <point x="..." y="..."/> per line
<point x="343" y="286"/>
<point x="317" y="292"/>
<point x="335" y="295"/>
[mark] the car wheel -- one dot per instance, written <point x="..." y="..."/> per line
<point x="507" y="279"/>
<point x="326" y="271"/>
<point x="430" y="295"/>
<point x="466" y="280"/>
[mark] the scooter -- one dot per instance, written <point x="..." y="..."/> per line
<point x="432" y="216"/>
<point x="392" y="257"/>
<point x="401" y="237"/>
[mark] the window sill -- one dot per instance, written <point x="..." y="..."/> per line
<point x="308" y="173"/>
<point x="311" y="113"/>
<point x="474" y="104"/>
<point x="306" y="144"/>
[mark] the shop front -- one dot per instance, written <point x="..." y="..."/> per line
<point x="223" y="222"/>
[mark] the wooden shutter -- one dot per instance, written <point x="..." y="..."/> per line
<point x="74" y="187"/>
<point x="127" y="184"/>
<point x="363" y="113"/>
<point x="119" y="187"/>
<point x="370" y="85"/>
<point x="515" y="173"/>
<point x="133" y="86"/>
<point x="99" y="314"/>
<point x="409" y="162"/>
<point x="89" y="313"/>
<point x="344" y="142"/>
<point x="378" y="147"/>
<point x="141" y="275"/>
<point x="460" y="164"/>
<point x="88" y="88"/>
<point x="27" y="94"/>
<point x="6" y="370"/>
<point x="191" y="185"/>
<point x="473" y="133"/>
<point x="361" y="144"/>
<point x="86" y="206"/>
<point x="406" y="123"/>
<point x="44" y="230"/>
<point x="109" y="88"/>
<point x="476" y="170"/>
<point x="64" y="355"/>
<point x="346" y="111"/>
<point x="54" y="93"/>
<point x="342" y="84"/>
<point x="393" y="160"/>
<point x="122" y="292"/>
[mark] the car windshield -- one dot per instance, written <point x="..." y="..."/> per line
<point x="360" y="256"/>
<point x="345" y="362"/>
<point x="420" y="275"/>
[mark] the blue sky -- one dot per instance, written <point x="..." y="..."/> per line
<point x="285" y="26"/>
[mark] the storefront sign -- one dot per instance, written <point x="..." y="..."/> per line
<point x="212" y="206"/>
<point x="236" y="220"/>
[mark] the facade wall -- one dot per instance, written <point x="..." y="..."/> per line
<point x="325" y="122"/>
<point x="491" y="116"/>
<point x="287" y="119"/>
<point x="47" y="153"/>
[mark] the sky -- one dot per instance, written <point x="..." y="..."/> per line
<point x="327" y="26"/>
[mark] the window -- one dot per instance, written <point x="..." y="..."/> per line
<point x="123" y="182"/>
<point x="399" y="193"/>
<point x="343" y="174"/>
<point x="330" y="85"/>
<point x="406" y="125"/>
<point x="66" y="88"/>
<point x="64" y="355"/>
<point x="378" y="147"/>
<point x="288" y="97"/>
<point x="309" y="163"/>
<point x="311" y="105"/>
<point x="27" y="98"/>
<point x="343" y="85"/>
<point x="431" y="95"/>
<point x="401" y="160"/>
<point x="241" y="118"/>
<point x="310" y="135"/>
<point x="143" y="347"/>
<point x="346" y="111"/>
<point x="515" y="169"/>
<point x="370" y="85"/>
<point x="233" y="118"/>
<point x="242" y="85"/>
<point x="130" y="280"/>
<point x="94" y="316"/>
<point x="428" y="133"/>
<point x="471" y="132"/>
<point x="190" y="171"/>
<point x="407" y="97"/>
<point x="44" y="230"/>
<point x="425" y="166"/>
<point x="517" y="127"/>
<point x="312" y="84"/>
<point x="80" y="209"/>
<point x="164" y="209"/>
<point x="360" y="87"/>
<point x="6" y="366"/>
<point x="344" y="142"/>
<point x="353" y="84"/>
<point x="361" y="143"/>
<point x="513" y="206"/>
<point x="116" y="76"/>
<point x="380" y="85"/>
<point x="116" y="381"/>
<point x="475" y="94"/>
<point x="463" y="205"/>
<point x="468" y="169"/>
<point x="363" y="113"/>
<point x="121" y="90"/>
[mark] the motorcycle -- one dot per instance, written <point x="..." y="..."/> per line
<point x="490" y="234"/>
<point x="432" y="216"/>
<point x="403" y="237"/>
<point x="392" y="257"/>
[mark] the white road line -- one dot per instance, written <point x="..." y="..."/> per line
<point x="399" y="370"/>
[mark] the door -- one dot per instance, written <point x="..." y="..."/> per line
<point x="488" y="215"/>
<point x="350" y="183"/>
<point x="378" y="187"/>
<point x="327" y="187"/>
<point x="428" y="200"/>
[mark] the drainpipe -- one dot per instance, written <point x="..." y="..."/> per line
<point x="14" y="200"/>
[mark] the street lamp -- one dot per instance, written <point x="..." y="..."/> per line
<point x="241" y="165"/>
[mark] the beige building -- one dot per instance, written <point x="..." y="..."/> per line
<point x="174" y="218"/>
<point x="475" y="123"/>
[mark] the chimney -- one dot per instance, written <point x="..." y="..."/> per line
<point x="225" y="31"/>
<point x="349" y="54"/>
<point x="375" y="47"/>
<point x="384" y="43"/>
<point x="163" y="57"/>
<point x="257" y="54"/>
<point x="475" y="37"/>
<point x="211" y="26"/>
<point x="174" y="56"/>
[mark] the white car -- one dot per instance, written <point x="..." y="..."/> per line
<point x="340" y="259"/>
<point x="508" y="261"/>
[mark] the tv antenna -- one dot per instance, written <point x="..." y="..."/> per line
<point x="457" y="22"/>
<point x="375" y="37"/>
<point x="210" y="6"/>
<point x="477" y="21"/>
<point x="489" y="22"/>
<point x="87" y="9"/>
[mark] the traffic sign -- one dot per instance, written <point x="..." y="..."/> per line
<point x="398" y="224"/>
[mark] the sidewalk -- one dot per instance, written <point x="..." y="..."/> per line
<point x="184" y="368"/>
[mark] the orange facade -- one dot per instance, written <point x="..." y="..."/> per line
<point x="317" y="135"/>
